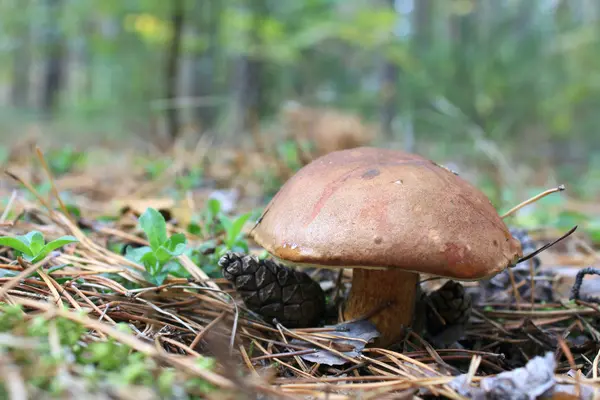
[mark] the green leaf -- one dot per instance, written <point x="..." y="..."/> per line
<point x="55" y="244"/>
<point x="16" y="243"/>
<point x="36" y="241"/>
<point x="73" y="210"/>
<point x="136" y="253"/>
<point x="214" y="207"/>
<point x="194" y="228"/>
<point x="155" y="227"/>
<point x="176" y="269"/>
<point x="57" y="268"/>
<point x="227" y="225"/>
<point x="234" y="230"/>
<point x="173" y="247"/>
<point x="150" y="262"/>
<point x="156" y="279"/>
<point x="162" y="255"/>
<point x="176" y="244"/>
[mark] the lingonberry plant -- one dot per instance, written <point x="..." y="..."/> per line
<point x="159" y="258"/>
<point x="32" y="245"/>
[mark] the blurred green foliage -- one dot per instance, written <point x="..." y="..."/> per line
<point x="475" y="78"/>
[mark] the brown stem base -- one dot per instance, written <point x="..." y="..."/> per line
<point x="372" y="289"/>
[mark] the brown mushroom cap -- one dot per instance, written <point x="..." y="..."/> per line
<point x="380" y="208"/>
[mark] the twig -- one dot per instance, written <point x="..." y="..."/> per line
<point x="236" y="315"/>
<point x="513" y="284"/>
<point x="579" y="281"/>
<point x="546" y="246"/>
<point x="567" y="352"/>
<point x="532" y="283"/>
<point x="286" y="354"/>
<point x="29" y="187"/>
<point x="8" y="207"/>
<point x="22" y="275"/>
<point x="204" y="331"/>
<point x="535" y="198"/>
<point x="46" y="169"/>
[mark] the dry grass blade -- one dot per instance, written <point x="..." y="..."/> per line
<point x="533" y="200"/>
<point x="22" y="275"/>
<point x="55" y="192"/>
<point x="8" y="207"/>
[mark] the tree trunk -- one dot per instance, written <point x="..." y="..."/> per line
<point x="249" y="75"/>
<point x="463" y="35"/>
<point x="389" y="104"/>
<point x="422" y="22"/>
<point x="54" y="73"/>
<point x="388" y="91"/>
<point x="19" y="92"/>
<point x="171" y="72"/>
<point x="423" y="30"/>
<point x="203" y="81"/>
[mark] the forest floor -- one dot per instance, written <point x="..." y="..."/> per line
<point x="85" y="314"/>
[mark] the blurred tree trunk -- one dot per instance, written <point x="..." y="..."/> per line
<point x="389" y="83"/>
<point x="423" y="19"/>
<point x="172" y="65"/>
<point x="464" y="33"/>
<point x="54" y="73"/>
<point x="526" y="11"/>
<point x="391" y="77"/>
<point x="19" y="92"/>
<point x="249" y="90"/>
<point x="423" y="30"/>
<point x="204" y="76"/>
<point x="305" y="83"/>
<point x="389" y="104"/>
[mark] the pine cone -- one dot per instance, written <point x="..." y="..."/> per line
<point x="275" y="291"/>
<point x="449" y="302"/>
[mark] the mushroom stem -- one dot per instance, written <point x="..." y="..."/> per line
<point x="374" y="288"/>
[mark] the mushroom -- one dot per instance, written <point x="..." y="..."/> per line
<point x="390" y="216"/>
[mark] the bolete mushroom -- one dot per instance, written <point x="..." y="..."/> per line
<point x="390" y="216"/>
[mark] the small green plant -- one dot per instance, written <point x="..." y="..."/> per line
<point x="107" y="355"/>
<point x="159" y="258"/>
<point x="102" y="363"/>
<point x="214" y="223"/>
<point x="201" y="385"/>
<point x="33" y="247"/>
<point x="64" y="160"/>
<point x="289" y="153"/>
<point x="210" y="218"/>
<point x="155" y="167"/>
<point x="234" y="237"/>
<point x="190" y="179"/>
<point x="73" y="210"/>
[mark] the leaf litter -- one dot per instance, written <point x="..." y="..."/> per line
<point x="188" y="335"/>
